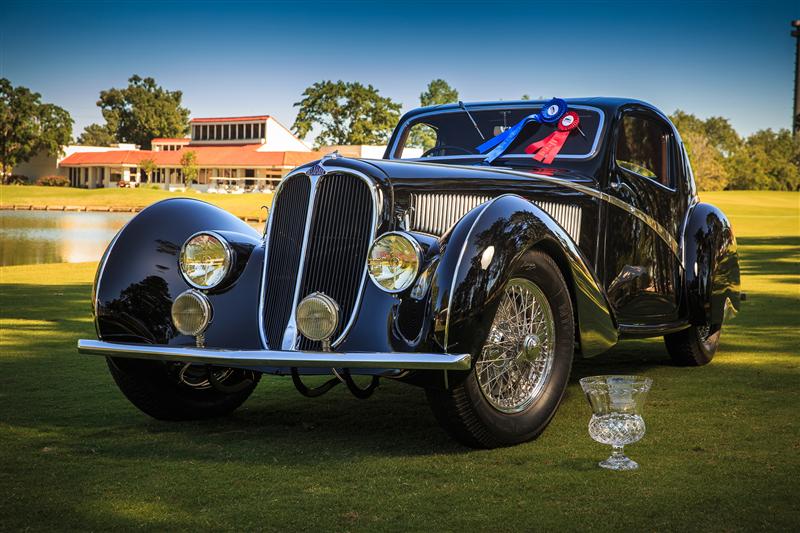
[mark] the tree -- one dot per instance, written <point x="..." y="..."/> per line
<point x="28" y="126"/>
<point x="718" y="130"/>
<point x="438" y="92"/>
<point x="708" y="165"/>
<point x="768" y="160"/>
<point x="711" y="144"/>
<point x="143" y="111"/>
<point x="189" y="167"/>
<point x="97" y="135"/>
<point x="149" y="166"/>
<point x="346" y="113"/>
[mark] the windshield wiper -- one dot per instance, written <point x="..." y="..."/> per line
<point x="462" y="106"/>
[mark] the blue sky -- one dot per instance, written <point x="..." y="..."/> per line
<point x="733" y="59"/>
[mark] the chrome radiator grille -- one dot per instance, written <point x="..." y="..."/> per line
<point x="284" y="249"/>
<point x="328" y="256"/>
<point x="339" y="238"/>
<point x="435" y="213"/>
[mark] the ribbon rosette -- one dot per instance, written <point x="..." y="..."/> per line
<point x="547" y="149"/>
<point x="550" y="113"/>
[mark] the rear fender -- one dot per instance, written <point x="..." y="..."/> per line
<point x="477" y="259"/>
<point x="712" y="275"/>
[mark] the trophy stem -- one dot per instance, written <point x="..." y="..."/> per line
<point x="618" y="460"/>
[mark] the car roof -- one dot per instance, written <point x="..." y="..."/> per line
<point x="606" y="103"/>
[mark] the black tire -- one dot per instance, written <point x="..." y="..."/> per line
<point x="464" y="411"/>
<point x="693" y="346"/>
<point x="152" y="387"/>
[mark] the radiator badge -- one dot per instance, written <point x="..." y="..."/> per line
<point x="317" y="170"/>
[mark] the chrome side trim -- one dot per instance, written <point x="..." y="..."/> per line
<point x="592" y="151"/>
<point x="289" y="343"/>
<point x="278" y="358"/>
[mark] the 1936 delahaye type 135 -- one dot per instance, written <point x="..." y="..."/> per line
<point x="526" y="234"/>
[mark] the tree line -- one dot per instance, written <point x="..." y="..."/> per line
<point x="340" y="112"/>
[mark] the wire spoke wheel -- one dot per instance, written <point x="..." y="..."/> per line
<point x="517" y="359"/>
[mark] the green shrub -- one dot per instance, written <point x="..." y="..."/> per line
<point x="53" y="181"/>
<point x="16" y="179"/>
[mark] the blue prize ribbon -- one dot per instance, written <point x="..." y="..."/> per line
<point x="551" y="112"/>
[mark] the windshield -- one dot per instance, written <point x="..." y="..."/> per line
<point x="450" y="133"/>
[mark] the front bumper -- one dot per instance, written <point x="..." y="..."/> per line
<point x="270" y="358"/>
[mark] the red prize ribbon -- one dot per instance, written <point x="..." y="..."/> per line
<point x="547" y="149"/>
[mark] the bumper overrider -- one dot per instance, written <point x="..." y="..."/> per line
<point x="278" y="358"/>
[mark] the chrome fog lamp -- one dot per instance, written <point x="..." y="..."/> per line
<point x="394" y="261"/>
<point x="205" y="260"/>
<point x="191" y="312"/>
<point x="317" y="317"/>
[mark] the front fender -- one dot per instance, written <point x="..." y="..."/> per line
<point x="139" y="276"/>
<point x="712" y="276"/>
<point x="478" y="258"/>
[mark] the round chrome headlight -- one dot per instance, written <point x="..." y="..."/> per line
<point x="205" y="260"/>
<point x="191" y="312"/>
<point x="394" y="261"/>
<point x="317" y="316"/>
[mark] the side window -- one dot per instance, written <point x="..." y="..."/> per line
<point x="643" y="147"/>
<point x="421" y="138"/>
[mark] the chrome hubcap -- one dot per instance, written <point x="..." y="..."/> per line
<point x="517" y="359"/>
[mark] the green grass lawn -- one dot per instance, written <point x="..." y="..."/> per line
<point x="722" y="451"/>
<point x="238" y="204"/>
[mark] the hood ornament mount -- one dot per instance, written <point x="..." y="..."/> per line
<point x="318" y="169"/>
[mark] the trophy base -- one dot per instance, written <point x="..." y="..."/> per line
<point x="619" y="461"/>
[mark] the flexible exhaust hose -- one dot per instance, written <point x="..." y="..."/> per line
<point x="358" y="392"/>
<point x="314" y="392"/>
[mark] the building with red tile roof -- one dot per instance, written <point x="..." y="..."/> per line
<point x="238" y="153"/>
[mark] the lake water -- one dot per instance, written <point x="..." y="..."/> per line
<point x="30" y="237"/>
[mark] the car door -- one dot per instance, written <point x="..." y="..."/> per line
<point x="642" y="218"/>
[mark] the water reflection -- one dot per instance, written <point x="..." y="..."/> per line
<point x="30" y="237"/>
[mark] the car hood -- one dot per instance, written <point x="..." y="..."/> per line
<point x="398" y="175"/>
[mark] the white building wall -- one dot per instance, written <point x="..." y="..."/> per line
<point x="366" y="151"/>
<point x="280" y="139"/>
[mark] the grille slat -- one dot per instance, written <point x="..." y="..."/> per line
<point x="283" y="255"/>
<point x="435" y="213"/>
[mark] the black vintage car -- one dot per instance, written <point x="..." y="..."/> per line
<point x="523" y="235"/>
